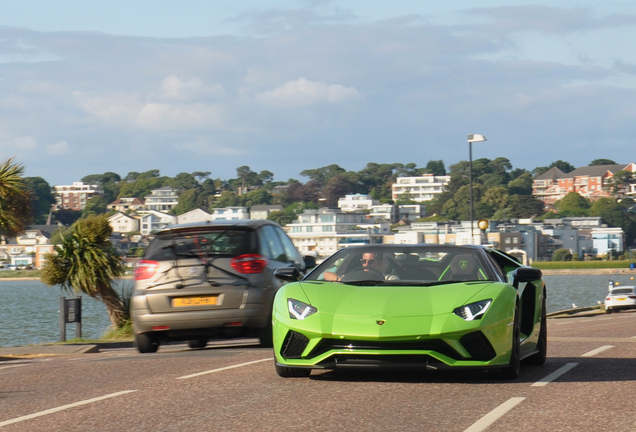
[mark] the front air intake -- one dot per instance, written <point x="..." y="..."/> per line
<point x="478" y="346"/>
<point x="294" y="345"/>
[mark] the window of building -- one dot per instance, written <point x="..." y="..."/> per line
<point x="327" y="228"/>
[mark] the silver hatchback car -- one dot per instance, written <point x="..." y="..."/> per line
<point x="212" y="279"/>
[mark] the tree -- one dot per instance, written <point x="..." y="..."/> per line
<point x="562" y="165"/>
<point x="187" y="202"/>
<point x="85" y="261"/>
<point x="95" y="205"/>
<point x="597" y="162"/>
<point x="183" y="181"/>
<point x="15" y="210"/>
<point x="41" y="198"/>
<point x="324" y="174"/>
<point x="573" y="204"/>
<point x="562" y="255"/>
<point x="436" y="167"/>
<point x="621" y="181"/>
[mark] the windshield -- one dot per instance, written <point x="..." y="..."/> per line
<point x="405" y="265"/>
<point x="622" y="291"/>
<point x="201" y="244"/>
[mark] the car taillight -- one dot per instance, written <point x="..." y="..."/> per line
<point x="632" y="297"/>
<point x="610" y="298"/>
<point x="249" y="263"/>
<point x="146" y="269"/>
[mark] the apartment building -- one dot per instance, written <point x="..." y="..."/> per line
<point x="324" y="231"/>
<point x="163" y="199"/>
<point x="419" y="189"/>
<point x="592" y="182"/>
<point x="75" y="196"/>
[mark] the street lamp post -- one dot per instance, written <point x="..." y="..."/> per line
<point x="471" y="139"/>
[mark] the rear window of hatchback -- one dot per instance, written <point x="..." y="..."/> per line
<point x="200" y="244"/>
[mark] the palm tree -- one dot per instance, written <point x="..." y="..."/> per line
<point x="85" y="261"/>
<point x="15" y="210"/>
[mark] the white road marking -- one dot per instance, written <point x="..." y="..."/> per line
<point x="14" y="366"/>
<point x="554" y="375"/>
<point x="63" y="407"/>
<point x="224" y="368"/>
<point x="633" y="337"/>
<point x="494" y="415"/>
<point x="597" y="350"/>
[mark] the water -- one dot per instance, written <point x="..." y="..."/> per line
<point x="29" y="314"/>
<point x="583" y="291"/>
<point x="29" y="309"/>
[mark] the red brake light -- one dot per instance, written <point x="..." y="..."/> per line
<point x="632" y="297"/>
<point x="249" y="263"/>
<point x="146" y="269"/>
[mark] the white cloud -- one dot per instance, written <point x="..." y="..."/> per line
<point x="161" y="116"/>
<point x="173" y="88"/>
<point x="25" y="142"/>
<point x="58" y="148"/>
<point x="303" y="92"/>
<point x="201" y="146"/>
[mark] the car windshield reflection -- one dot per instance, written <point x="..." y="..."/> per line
<point x="418" y="265"/>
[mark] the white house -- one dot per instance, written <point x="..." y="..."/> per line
<point x="163" y="199"/>
<point x="419" y="189"/>
<point x="230" y="213"/>
<point x="151" y="221"/>
<point x="324" y="231"/>
<point x="263" y="211"/>
<point x="122" y="223"/>
<point x="196" y="215"/>
<point x="354" y="202"/>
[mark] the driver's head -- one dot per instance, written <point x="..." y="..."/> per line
<point x="371" y="259"/>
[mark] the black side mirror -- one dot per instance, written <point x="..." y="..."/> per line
<point x="287" y="274"/>
<point x="310" y="262"/>
<point x="528" y="274"/>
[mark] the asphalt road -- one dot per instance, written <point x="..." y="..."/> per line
<point x="587" y="384"/>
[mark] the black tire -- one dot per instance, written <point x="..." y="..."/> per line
<point x="512" y="370"/>
<point x="145" y="343"/>
<point x="287" y="372"/>
<point x="542" y="344"/>
<point x="264" y="334"/>
<point x="197" y="343"/>
<point x="608" y="310"/>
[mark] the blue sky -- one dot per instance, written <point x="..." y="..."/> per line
<point x="88" y="87"/>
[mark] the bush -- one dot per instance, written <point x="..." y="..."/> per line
<point x="562" y="255"/>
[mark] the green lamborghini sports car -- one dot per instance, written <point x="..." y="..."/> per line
<point x="411" y="306"/>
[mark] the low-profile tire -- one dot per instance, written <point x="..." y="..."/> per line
<point x="145" y="343"/>
<point x="287" y="372"/>
<point x="608" y="310"/>
<point x="197" y="343"/>
<point x="542" y="344"/>
<point x="264" y="334"/>
<point x="512" y="370"/>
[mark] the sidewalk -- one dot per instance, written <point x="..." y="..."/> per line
<point x="37" y="351"/>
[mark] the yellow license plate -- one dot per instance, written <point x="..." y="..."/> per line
<point x="621" y="299"/>
<point x="194" y="301"/>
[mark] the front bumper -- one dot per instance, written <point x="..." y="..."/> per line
<point x="478" y="345"/>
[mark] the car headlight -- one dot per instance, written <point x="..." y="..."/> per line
<point x="473" y="311"/>
<point x="299" y="310"/>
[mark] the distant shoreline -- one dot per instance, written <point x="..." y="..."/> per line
<point x="546" y="272"/>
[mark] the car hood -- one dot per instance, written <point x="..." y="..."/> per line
<point x="390" y="301"/>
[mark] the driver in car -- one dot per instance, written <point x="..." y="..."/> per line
<point x="371" y="262"/>
<point x="375" y="262"/>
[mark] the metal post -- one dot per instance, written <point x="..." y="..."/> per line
<point x="78" y="323"/>
<point x="62" y="319"/>
<point x="470" y="174"/>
